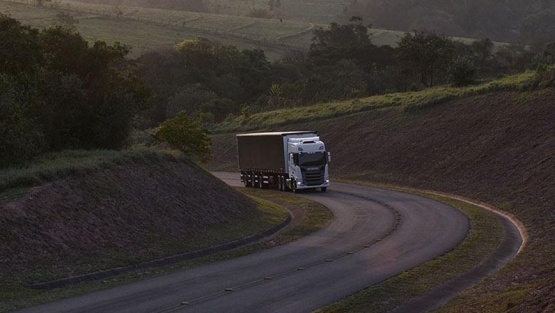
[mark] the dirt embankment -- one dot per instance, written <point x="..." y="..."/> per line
<point x="118" y="216"/>
<point x="498" y="148"/>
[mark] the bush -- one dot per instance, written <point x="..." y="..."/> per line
<point x="20" y="138"/>
<point x="185" y="134"/>
<point x="463" y="72"/>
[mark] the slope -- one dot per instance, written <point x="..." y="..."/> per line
<point x="139" y="207"/>
<point x="497" y="147"/>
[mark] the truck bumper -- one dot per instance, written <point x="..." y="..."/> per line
<point x="301" y="186"/>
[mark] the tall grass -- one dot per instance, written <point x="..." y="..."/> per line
<point x="408" y="101"/>
<point x="59" y="165"/>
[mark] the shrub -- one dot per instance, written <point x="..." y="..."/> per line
<point x="463" y="72"/>
<point x="185" y="134"/>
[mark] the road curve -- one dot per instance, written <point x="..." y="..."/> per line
<point x="375" y="234"/>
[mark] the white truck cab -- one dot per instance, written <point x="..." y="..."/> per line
<point x="308" y="163"/>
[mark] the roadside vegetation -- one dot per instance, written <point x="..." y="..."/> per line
<point x="467" y="117"/>
<point x="95" y="100"/>
<point x="496" y="147"/>
<point x="408" y="101"/>
<point x="259" y="211"/>
<point x="59" y="165"/>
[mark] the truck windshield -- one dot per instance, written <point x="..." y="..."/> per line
<point x="312" y="159"/>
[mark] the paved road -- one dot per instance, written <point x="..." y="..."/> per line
<point x="375" y="234"/>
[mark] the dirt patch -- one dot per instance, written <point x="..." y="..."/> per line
<point x="497" y="148"/>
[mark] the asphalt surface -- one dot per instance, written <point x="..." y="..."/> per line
<point x="374" y="235"/>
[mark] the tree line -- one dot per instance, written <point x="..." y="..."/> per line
<point x="58" y="91"/>
<point x="528" y="22"/>
<point x="214" y="81"/>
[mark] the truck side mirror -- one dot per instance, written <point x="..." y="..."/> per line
<point x="329" y="157"/>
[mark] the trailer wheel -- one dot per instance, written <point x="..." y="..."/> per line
<point x="279" y="182"/>
<point x="247" y="181"/>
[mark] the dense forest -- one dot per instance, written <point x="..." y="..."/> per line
<point x="58" y="91"/>
<point x="529" y="22"/>
<point x="214" y="81"/>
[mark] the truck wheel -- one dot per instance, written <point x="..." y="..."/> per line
<point x="324" y="189"/>
<point x="294" y="186"/>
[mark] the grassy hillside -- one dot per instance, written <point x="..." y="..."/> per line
<point x="321" y="11"/>
<point x="404" y="101"/>
<point x="154" y="29"/>
<point x="78" y="212"/>
<point x="494" y="146"/>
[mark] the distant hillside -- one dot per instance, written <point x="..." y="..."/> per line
<point x="498" y="147"/>
<point x="148" y="29"/>
<point x="321" y="11"/>
<point x="529" y="22"/>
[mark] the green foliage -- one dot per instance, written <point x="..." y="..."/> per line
<point x="58" y="165"/>
<point x="505" y="20"/>
<point x="189" y="99"/>
<point x="544" y="77"/>
<point x="351" y="35"/>
<point x="59" y="92"/>
<point x="185" y="134"/>
<point x="202" y="76"/>
<point x="20" y="138"/>
<point x="409" y="101"/>
<point x="425" y="55"/>
<point x="20" y="55"/>
<point x="219" y="108"/>
<point x="463" y="72"/>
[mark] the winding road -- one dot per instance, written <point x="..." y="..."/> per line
<point x="374" y="235"/>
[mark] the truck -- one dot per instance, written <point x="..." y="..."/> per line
<point x="291" y="160"/>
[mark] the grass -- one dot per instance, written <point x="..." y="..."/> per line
<point x="13" y="293"/>
<point x="485" y="235"/>
<point x="408" y="101"/>
<point x="59" y="165"/>
<point x="147" y="29"/>
<point x="494" y="303"/>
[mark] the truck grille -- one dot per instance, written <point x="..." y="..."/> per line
<point x="313" y="178"/>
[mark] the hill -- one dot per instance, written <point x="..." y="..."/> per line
<point x="147" y="29"/>
<point x="527" y="23"/>
<point x="496" y="147"/>
<point x="79" y="212"/>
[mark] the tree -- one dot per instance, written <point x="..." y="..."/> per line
<point x="189" y="99"/>
<point x="351" y="35"/>
<point x="185" y="134"/>
<point x="463" y="72"/>
<point x="426" y="55"/>
<point x="20" y="54"/>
